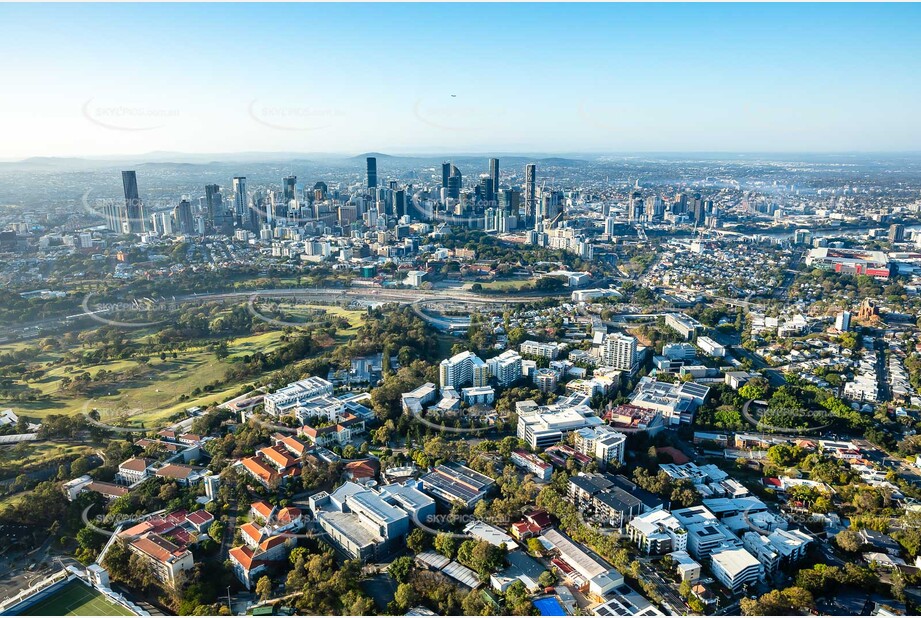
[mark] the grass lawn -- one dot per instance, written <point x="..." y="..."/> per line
<point x="77" y="599"/>
<point x="33" y="453"/>
<point x="152" y="396"/>
<point x="504" y="284"/>
<point x="155" y="395"/>
<point x="445" y="343"/>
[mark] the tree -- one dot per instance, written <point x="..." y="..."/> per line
<point x="535" y="546"/>
<point x="418" y="541"/>
<point x="798" y="598"/>
<point x="264" y="587"/>
<point x="400" y="569"/>
<point x="216" y="531"/>
<point x="848" y="540"/>
<point x="546" y="579"/>
<point x="405" y="596"/>
<point x="446" y="545"/>
<point x="756" y="388"/>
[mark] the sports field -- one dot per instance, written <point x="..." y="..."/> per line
<point x="76" y="599"/>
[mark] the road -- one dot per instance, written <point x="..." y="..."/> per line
<point x="729" y="610"/>
<point x="665" y="588"/>
<point x="402" y="296"/>
<point x="229" y="529"/>
<point x="882" y="370"/>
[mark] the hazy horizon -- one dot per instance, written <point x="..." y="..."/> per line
<point x="161" y="156"/>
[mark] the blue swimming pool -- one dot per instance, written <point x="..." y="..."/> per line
<point x="549" y="607"/>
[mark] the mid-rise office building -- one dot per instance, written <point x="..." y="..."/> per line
<point x="603" y="443"/>
<point x="286" y="399"/>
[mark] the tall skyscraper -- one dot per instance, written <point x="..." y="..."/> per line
<point x="455" y="182"/>
<point x="485" y="190"/>
<point x="896" y="232"/>
<point x="214" y="204"/>
<point x="697" y="209"/>
<point x="637" y="208"/>
<point x="183" y="216"/>
<point x="290" y="188"/>
<point x="112" y="213"/>
<point x="680" y="205"/>
<point x="509" y="200"/>
<point x="289" y="201"/>
<point x="221" y="215"/>
<point x="372" y="172"/>
<point x="399" y="203"/>
<point x="445" y="174"/>
<point x="530" y="194"/>
<point x="133" y="221"/>
<point x="494" y="175"/>
<point x="550" y="202"/>
<point x="240" y="201"/>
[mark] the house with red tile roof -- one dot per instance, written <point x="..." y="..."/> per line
<point x="252" y="534"/>
<point x="261" y="511"/>
<point x="524" y="530"/>
<point x="184" y="475"/>
<point x="166" y="559"/>
<point x="361" y="472"/>
<point x="158" y="445"/>
<point x="289" y="515"/>
<point x="278" y="457"/>
<point x="348" y="427"/>
<point x="260" y="471"/>
<point x="133" y="470"/>
<point x="109" y="491"/>
<point x="293" y="445"/>
<point x="200" y="520"/>
<point x="251" y="560"/>
<point x="246" y="566"/>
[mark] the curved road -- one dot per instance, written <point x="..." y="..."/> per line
<point x="402" y="296"/>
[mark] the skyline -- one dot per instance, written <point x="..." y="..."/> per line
<point x="415" y="78"/>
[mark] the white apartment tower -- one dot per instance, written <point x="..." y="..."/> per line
<point x="505" y="368"/>
<point x="619" y="351"/>
<point x="463" y="369"/>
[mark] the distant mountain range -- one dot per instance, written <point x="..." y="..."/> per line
<point x="179" y="159"/>
<point x="166" y="159"/>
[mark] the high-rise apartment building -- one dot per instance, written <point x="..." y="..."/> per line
<point x="619" y="351"/>
<point x="463" y="369"/>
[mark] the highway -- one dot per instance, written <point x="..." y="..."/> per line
<point x="371" y="295"/>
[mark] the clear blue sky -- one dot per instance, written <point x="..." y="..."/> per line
<point x="125" y="79"/>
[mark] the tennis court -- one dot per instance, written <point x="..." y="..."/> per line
<point x="76" y="599"/>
